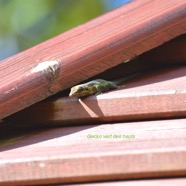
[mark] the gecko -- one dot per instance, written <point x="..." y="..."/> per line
<point x="98" y="86"/>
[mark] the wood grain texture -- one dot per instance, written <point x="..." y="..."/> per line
<point x="87" y="50"/>
<point x="154" y="95"/>
<point x="153" y="149"/>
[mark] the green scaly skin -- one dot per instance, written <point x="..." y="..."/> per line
<point x="98" y="86"/>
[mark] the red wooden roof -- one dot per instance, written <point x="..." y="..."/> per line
<point x="148" y="149"/>
<point x="154" y="94"/>
<point x="87" y="50"/>
<point x="112" y="153"/>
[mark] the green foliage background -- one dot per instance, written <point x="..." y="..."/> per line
<point x="29" y="22"/>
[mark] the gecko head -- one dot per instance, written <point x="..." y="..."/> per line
<point x="82" y="91"/>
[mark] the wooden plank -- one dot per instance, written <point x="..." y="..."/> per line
<point x="145" y="149"/>
<point x="157" y="94"/>
<point x="155" y="182"/>
<point x="87" y="50"/>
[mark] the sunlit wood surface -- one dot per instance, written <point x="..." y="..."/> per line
<point x="88" y="153"/>
<point x="87" y="50"/>
<point x="152" y="95"/>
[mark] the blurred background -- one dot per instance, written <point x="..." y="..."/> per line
<point x="24" y="24"/>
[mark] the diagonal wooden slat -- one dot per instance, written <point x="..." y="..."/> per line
<point x="152" y="182"/>
<point x="87" y="50"/>
<point x="154" y="95"/>
<point x="155" y="182"/>
<point x="145" y="149"/>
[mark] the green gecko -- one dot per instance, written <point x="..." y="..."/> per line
<point x="97" y="86"/>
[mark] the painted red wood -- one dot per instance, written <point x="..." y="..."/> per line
<point x="147" y="149"/>
<point x="87" y="50"/>
<point x="154" y="95"/>
<point x="155" y="182"/>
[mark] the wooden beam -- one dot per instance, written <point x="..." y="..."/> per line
<point x="151" y="182"/>
<point x="154" y="95"/>
<point x="87" y="50"/>
<point x="148" y="149"/>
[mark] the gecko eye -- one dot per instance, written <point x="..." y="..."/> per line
<point x="80" y="89"/>
<point x="83" y="89"/>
